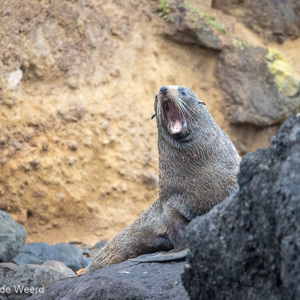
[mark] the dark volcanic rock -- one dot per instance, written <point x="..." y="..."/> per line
<point x="248" y="246"/>
<point x="97" y="248"/>
<point x="190" y="26"/>
<point x="38" y="253"/>
<point x="20" y="282"/>
<point x="273" y="19"/>
<point x="12" y="237"/>
<point x="127" y="280"/>
<point x="260" y="87"/>
<point x="60" y="267"/>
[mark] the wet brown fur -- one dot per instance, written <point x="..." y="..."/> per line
<point x="196" y="171"/>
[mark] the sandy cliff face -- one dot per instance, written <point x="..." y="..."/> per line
<point x="78" y="152"/>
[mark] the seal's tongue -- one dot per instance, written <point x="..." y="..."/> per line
<point x="174" y="117"/>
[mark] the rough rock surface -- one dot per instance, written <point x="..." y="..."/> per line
<point x="38" y="253"/>
<point x="56" y="35"/>
<point x="189" y="26"/>
<point x="127" y="280"/>
<point x="260" y="86"/>
<point x="273" y="19"/>
<point x="60" y="267"/>
<point x="247" y="247"/>
<point x="20" y="282"/>
<point x="12" y="237"/>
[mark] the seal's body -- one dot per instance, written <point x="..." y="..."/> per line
<point x="198" y="165"/>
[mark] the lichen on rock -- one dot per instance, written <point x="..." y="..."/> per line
<point x="284" y="76"/>
<point x="239" y="43"/>
<point x="260" y="86"/>
<point x="192" y="25"/>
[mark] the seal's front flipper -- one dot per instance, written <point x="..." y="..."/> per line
<point x="162" y="256"/>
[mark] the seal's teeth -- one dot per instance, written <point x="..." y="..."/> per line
<point x="176" y="126"/>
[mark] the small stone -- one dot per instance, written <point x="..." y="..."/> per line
<point x="33" y="142"/>
<point x="35" y="121"/>
<point x="73" y="83"/>
<point x="60" y="197"/>
<point x="72" y="161"/>
<point x="105" y="125"/>
<point x="3" y="161"/>
<point x="72" y="145"/>
<point x="17" y="145"/>
<point x="122" y="172"/>
<point x="88" y="138"/>
<point x="45" y="145"/>
<point x="123" y="188"/>
<point x="14" y="79"/>
<point x="35" y="163"/>
<point x="56" y="139"/>
<point x="105" y="142"/>
<point x="55" y="224"/>
<point x="73" y="113"/>
<point x="28" y="133"/>
<point x="97" y="131"/>
<point x="4" y="139"/>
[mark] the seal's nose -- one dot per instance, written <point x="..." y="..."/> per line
<point x="163" y="90"/>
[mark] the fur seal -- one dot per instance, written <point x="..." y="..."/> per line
<point x="198" y="165"/>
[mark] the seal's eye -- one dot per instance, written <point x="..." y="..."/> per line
<point x="182" y="91"/>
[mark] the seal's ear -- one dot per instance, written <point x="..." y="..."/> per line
<point x="201" y="102"/>
<point x="153" y="116"/>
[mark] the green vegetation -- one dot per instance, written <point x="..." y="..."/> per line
<point x="208" y="17"/>
<point x="236" y="42"/>
<point x="284" y="76"/>
<point x="164" y="10"/>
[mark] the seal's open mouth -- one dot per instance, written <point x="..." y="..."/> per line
<point x="174" y="118"/>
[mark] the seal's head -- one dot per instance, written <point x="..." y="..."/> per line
<point x="175" y="108"/>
